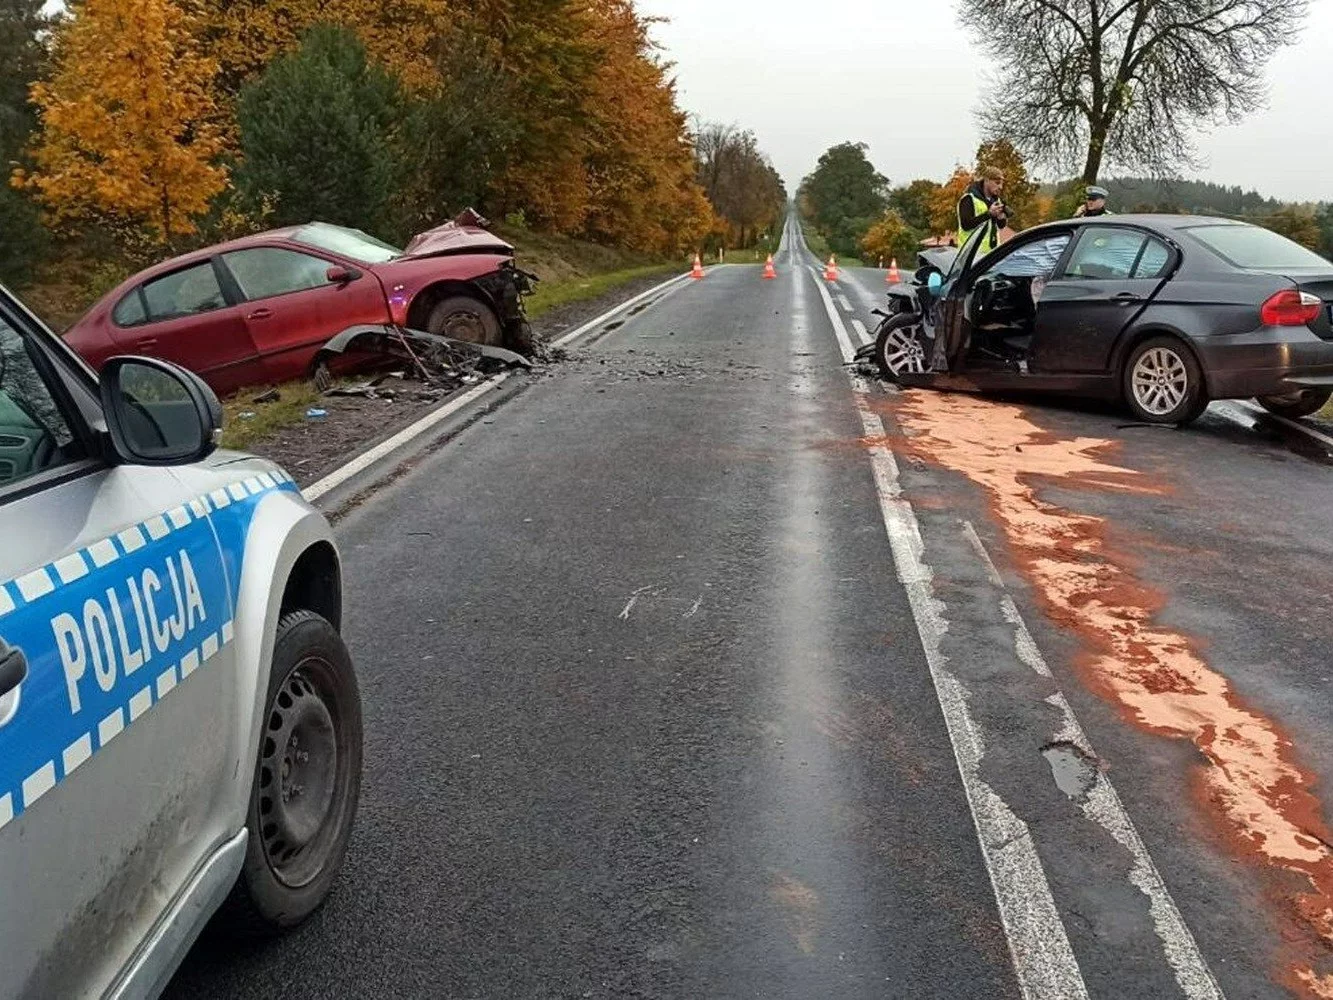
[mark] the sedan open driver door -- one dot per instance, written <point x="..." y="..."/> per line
<point x="1112" y="273"/>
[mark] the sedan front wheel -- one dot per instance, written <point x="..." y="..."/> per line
<point x="1162" y="383"/>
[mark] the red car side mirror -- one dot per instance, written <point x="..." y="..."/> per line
<point x="339" y="275"/>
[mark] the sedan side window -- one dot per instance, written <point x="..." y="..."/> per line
<point x="1117" y="254"/>
<point x="184" y="293"/>
<point x="34" y="434"/>
<point x="129" y="311"/>
<point x="263" y="272"/>
<point x="1037" y="259"/>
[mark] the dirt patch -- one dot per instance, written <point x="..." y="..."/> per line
<point x="1260" y="799"/>
<point x="312" y="448"/>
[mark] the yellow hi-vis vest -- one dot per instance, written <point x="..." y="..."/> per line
<point x="992" y="238"/>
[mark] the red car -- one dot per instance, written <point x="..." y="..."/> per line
<point x="258" y="309"/>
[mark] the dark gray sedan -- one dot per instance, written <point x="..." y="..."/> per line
<point x="1163" y="312"/>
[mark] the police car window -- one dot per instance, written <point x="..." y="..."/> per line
<point x="184" y="293"/>
<point x="34" y="434"/>
<point x="1111" y="254"/>
<point x="266" y="271"/>
<point x="1033" y="260"/>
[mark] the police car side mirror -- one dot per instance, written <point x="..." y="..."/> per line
<point x="158" y="413"/>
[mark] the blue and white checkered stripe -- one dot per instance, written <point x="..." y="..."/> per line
<point x="45" y="581"/>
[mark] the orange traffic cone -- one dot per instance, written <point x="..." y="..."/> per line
<point x="769" y="272"/>
<point x="698" y="270"/>
<point x="893" y="277"/>
<point x="831" y="269"/>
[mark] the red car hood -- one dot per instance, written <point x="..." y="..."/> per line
<point x="452" y="238"/>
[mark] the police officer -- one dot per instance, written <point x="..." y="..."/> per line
<point x="980" y="206"/>
<point x="1094" y="203"/>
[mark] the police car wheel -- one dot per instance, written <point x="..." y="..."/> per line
<point x="307" y="779"/>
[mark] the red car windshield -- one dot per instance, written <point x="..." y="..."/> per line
<point x="350" y="243"/>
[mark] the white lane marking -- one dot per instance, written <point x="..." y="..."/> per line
<point x="842" y="301"/>
<point x="606" y="317"/>
<point x="39" y="783"/>
<point x="862" y="334"/>
<point x="970" y="533"/>
<point x="76" y="753"/>
<point x="1252" y="410"/>
<point x="35" y="584"/>
<point x="840" y="331"/>
<point x="110" y="727"/>
<point x="1038" y="944"/>
<point x="72" y="567"/>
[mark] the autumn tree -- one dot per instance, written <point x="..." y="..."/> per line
<point x="944" y="202"/>
<point x="745" y="191"/>
<point x="1296" y="223"/>
<point x="912" y="203"/>
<point x="317" y="134"/>
<point x="1132" y="80"/>
<point x="244" y="36"/>
<point x="891" y="237"/>
<point x="845" y="195"/>
<point x="129" y="122"/>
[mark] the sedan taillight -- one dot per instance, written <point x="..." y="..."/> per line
<point x="1290" y="307"/>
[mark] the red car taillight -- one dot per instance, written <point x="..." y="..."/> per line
<point x="1290" y="307"/>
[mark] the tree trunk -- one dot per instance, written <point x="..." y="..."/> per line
<point x="1096" y="147"/>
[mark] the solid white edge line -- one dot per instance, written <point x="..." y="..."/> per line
<point x="1043" y="958"/>
<point x="610" y="314"/>
<point x="368" y="458"/>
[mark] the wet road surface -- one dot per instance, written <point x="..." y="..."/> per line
<point x="704" y="670"/>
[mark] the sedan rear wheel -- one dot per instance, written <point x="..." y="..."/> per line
<point x="1162" y="382"/>
<point x="1295" y="405"/>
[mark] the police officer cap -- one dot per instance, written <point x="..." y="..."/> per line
<point x="1096" y="192"/>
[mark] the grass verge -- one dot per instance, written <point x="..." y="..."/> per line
<point x="239" y="432"/>
<point x="552" y="294"/>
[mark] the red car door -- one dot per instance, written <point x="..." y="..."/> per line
<point x="188" y="319"/>
<point x="292" y="309"/>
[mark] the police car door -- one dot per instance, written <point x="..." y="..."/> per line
<point x="117" y="725"/>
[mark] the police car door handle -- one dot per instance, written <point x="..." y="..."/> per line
<point x="13" y="670"/>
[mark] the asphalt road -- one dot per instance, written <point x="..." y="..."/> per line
<point x="702" y="669"/>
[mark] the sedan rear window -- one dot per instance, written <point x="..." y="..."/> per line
<point x="351" y="243"/>
<point x="1254" y="247"/>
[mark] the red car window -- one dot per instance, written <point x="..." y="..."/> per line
<point x="184" y="293"/>
<point x="263" y="272"/>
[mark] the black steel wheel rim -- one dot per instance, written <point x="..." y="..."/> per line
<point x="302" y="775"/>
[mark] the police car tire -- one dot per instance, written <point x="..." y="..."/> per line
<point x="261" y="904"/>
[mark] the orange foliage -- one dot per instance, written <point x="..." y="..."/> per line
<point x="129" y="121"/>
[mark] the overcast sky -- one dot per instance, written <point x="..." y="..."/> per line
<point x="900" y="76"/>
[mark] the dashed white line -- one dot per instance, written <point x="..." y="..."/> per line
<point x="862" y="334"/>
<point x="842" y="301"/>
<point x="1252" y="411"/>
<point x="1043" y="957"/>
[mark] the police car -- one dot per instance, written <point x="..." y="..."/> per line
<point x="180" y="727"/>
